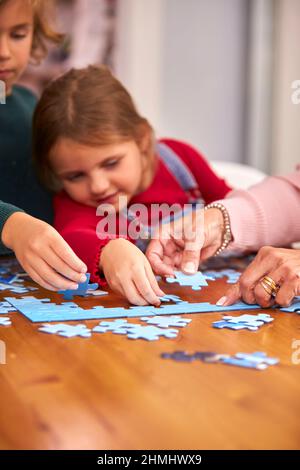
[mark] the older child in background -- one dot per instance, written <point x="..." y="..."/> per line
<point x="42" y="252"/>
<point x="92" y="147"/>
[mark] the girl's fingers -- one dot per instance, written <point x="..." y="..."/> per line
<point x="144" y="288"/>
<point x="49" y="276"/>
<point x="37" y="278"/>
<point x="132" y="293"/>
<point x="64" y="251"/>
<point x="153" y="282"/>
<point x="60" y="266"/>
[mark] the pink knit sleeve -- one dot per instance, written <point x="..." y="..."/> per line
<point x="266" y="214"/>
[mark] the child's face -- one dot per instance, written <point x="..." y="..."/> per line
<point x="16" y="33"/>
<point x="98" y="175"/>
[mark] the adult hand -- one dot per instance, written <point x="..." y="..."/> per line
<point x="184" y="243"/>
<point x="281" y="265"/>
<point x="42" y="252"/>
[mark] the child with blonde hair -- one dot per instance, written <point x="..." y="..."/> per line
<point x="24" y="30"/>
<point x="93" y="148"/>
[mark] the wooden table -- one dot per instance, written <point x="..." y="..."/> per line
<point x="109" y="392"/>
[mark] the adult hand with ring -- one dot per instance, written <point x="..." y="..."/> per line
<point x="272" y="277"/>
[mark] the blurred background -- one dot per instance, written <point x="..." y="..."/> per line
<point x="217" y="73"/>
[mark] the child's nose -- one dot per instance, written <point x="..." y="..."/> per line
<point x="4" y="49"/>
<point x="99" y="185"/>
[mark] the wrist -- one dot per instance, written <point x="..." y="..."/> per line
<point x="11" y="227"/>
<point x="220" y="225"/>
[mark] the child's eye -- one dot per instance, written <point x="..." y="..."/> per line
<point x="76" y="177"/>
<point x="111" y="163"/>
<point x="18" y="36"/>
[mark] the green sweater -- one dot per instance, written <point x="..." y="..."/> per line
<point x="19" y="188"/>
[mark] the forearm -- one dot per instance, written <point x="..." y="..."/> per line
<point x="266" y="214"/>
<point x="7" y="225"/>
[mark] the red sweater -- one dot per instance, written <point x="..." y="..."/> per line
<point x="77" y="222"/>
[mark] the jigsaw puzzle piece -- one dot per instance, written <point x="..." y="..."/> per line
<point x="82" y="289"/>
<point x="235" y="326"/>
<point x="169" y="297"/>
<point x="112" y="326"/>
<point x="167" y="321"/>
<point x="259" y="358"/>
<point x="180" y="356"/>
<point x="150" y="333"/>
<point x="5" y="321"/>
<point x="68" y="331"/>
<point x="195" y="281"/>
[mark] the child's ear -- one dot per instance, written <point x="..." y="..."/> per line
<point x="146" y="141"/>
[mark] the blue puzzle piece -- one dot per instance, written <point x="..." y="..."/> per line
<point x="168" y="297"/>
<point x="233" y="361"/>
<point x="232" y="275"/>
<point x="112" y="326"/>
<point x="294" y="307"/>
<point x="17" y="289"/>
<point x="5" y="307"/>
<point x="5" y="321"/>
<point x="167" y="321"/>
<point x="180" y="356"/>
<point x="250" y="319"/>
<point x="68" y="331"/>
<point x="150" y="333"/>
<point x="234" y="326"/>
<point x="258" y="357"/>
<point x="195" y="281"/>
<point x="82" y="289"/>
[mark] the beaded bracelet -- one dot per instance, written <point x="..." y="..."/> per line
<point x="227" y="235"/>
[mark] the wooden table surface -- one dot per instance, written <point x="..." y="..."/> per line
<point x="109" y="392"/>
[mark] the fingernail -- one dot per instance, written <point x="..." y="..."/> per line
<point x="83" y="278"/>
<point x="73" y="287"/>
<point x="190" y="267"/>
<point x="222" y="301"/>
<point x="83" y="269"/>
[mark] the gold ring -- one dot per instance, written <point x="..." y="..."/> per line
<point x="270" y="286"/>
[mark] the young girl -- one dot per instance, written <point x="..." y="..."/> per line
<point x="39" y="248"/>
<point x="91" y="143"/>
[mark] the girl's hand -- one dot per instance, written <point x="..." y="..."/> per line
<point x="187" y="241"/>
<point x="42" y="252"/>
<point x="281" y="265"/>
<point x="129" y="273"/>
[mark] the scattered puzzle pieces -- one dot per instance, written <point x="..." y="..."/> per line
<point x="256" y="360"/>
<point x="149" y="333"/>
<point x="167" y="321"/>
<point x="195" y="281"/>
<point x="232" y="275"/>
<point x="250" y="322"/>
<point x="68" y="331"/>
<point x="5" y="321"/>
<point x="112" y="326"/>
<point x="17" y="289"/>
<point x="5" y="307"/>
<point x="82" y="289"/>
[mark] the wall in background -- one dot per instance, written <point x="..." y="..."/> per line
<point x="185" y="64"/>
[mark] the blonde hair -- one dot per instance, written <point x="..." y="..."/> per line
<point x="89" y="106"/>
<point x="43" y="10"/>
